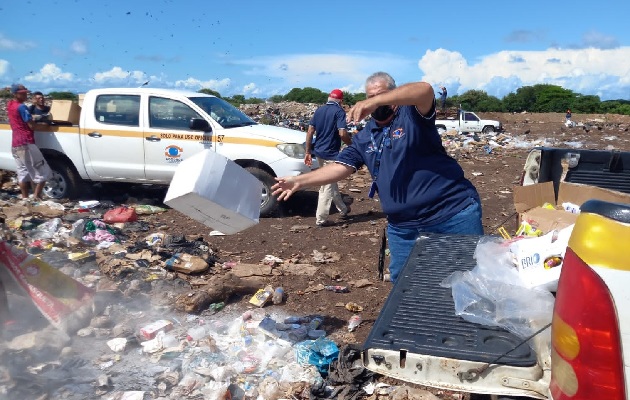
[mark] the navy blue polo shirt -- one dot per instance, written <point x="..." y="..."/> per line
<point x="327" y="121"/>
<point x="418" y="183"/>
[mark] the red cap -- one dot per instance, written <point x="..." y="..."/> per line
<point x="336" y="94"/>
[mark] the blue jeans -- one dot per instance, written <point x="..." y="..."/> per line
<point x="402" y="240"/>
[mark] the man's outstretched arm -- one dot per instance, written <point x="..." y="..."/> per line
<point x="287" y="185"/>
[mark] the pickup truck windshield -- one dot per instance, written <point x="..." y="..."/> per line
<point x="223" y="112"/>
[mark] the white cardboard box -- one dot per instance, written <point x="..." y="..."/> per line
<point x="530" y="255"/>
<point x="215" y="191"/>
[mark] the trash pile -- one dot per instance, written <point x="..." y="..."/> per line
<point x="139" y="339"/>
<point x="298" y="115"/>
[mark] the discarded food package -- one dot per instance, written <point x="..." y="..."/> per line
<point x="120" y="214"/>
<point x="215" y="191"/>
<point x="539" y="259"/>
<point x="320" y="353"/>
<point x="261" y="297"/>
<point x="187" y="264"/>
<point x="61" y="299"/>
<point x="148" y="332"/>
<point x="533" y="203"/>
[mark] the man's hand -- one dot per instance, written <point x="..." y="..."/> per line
<point x="308" y="159"/>
<point x="285" y="187"/>
<point x="361" y="110"/>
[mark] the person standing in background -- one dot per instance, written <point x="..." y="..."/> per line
<point x="39" y="110"/>
<point x="31" y="165"/>
<point x="443" y="95"/>
<point x="330" y="129"/>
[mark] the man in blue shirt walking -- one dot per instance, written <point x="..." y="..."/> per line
<point x="421" y="188"/>
<point x="329" y="126"/>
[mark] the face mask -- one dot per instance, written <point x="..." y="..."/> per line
<point x="382" y="113"/>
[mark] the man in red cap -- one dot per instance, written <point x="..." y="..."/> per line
<point x="329" y="127"/>
<point x="31" y="165"/>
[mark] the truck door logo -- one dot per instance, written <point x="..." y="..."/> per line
<point x="173" y="153"/>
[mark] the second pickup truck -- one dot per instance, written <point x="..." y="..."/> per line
<point x="467" y="121"/>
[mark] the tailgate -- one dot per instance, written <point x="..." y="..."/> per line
<point x="418" y="338"/>
<point x="608" y="169"/>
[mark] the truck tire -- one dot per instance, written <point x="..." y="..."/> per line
<point x="488" y="129"/>
<point x="65" y="181"/>
<point x="268" y="202"/>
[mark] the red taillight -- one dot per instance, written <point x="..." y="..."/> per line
<point x="586" y="358"/>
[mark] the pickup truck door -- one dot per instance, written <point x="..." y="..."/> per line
<point x="112" y="138"/>
<point x="470" y="123"/>
<point x="168" y="140"/>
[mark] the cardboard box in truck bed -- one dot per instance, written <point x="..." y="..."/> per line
<point x="529" y="201"/>
<point x="66" y="111"/>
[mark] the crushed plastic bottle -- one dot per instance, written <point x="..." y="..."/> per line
<point x="278" y="295"/>
<point x="315" y="323"/>
<point x="337" y="289"/>
<point x="354" y="322"/>
<point x="197" y="333"/>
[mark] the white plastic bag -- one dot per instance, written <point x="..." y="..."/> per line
<point x="493" y="294"/>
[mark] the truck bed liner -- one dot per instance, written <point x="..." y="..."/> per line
<point x="419" y="315"/>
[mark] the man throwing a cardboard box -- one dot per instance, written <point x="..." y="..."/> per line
<point x="31" y="165"/>
<point x="421" y="188"/>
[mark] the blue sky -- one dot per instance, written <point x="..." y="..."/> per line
<point x="262" y="48"/>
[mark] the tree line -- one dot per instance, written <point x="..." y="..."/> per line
<point x="541" y="98"/>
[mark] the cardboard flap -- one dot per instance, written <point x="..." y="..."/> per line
<point x="531" y="196"/>
<point x="578" y="194"/>
<point x="549" y="220"/>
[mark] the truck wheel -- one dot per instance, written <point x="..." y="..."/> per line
<point x="64" y="182"/>
<point x="268" y="202"/>
<point x="488" y="129"/>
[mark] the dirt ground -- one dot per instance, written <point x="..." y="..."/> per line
<point x="353" y="244"/>
<point x="357" y="240"/>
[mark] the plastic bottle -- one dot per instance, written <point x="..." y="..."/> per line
<point x="278" y="295"/>
<point x="337" y="289"/>
<point x="298" y="334"/>
<point x="315" y="323"/>
<point x="297" y="320"/>
<point x="197" y="333"/>
<point x="354" y="322"/>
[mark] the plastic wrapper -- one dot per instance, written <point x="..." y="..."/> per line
<point x="493" y="294"/>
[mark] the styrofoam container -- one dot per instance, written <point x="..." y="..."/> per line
<point x="215" y="191"/>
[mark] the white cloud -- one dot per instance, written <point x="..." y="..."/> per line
<point x="79" y="46"/>
<point x="4" y="67"/>
<point x="251" y="89"/>
<point x="117" y="75"/>
<point x="322" y="70"/>
<point x="49" y="73"/>
<point x="10" y="44"/>
<point x="588" y="71"/>
<point x="196" y="84"/>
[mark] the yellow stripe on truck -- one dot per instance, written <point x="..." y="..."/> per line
<point x="596" y="239"/>
<point x="220" y="139"/>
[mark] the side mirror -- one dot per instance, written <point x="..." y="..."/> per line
<point x="200" y="124"/>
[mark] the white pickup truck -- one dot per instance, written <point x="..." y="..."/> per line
<point x="418" y="338"/>
<point x="140" y="135"/>
<point x="467" y="121"/>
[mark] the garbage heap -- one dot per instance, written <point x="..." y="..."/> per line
<point x="139" y="341"/>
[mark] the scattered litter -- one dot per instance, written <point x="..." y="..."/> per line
<point x="354" y="322"/>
